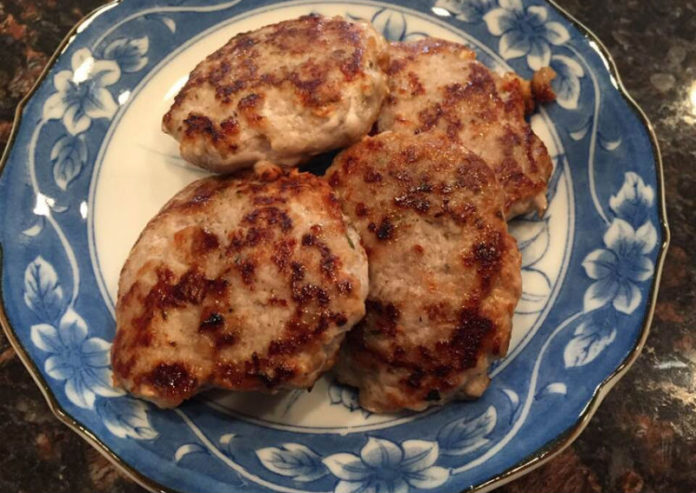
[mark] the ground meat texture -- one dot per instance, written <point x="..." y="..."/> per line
<point x="283" y="93"/>
<point x="437" y="86"/>
<point x="243" y="283"/>
<point x="541" y="85"/>
<point x="444" y="277"/>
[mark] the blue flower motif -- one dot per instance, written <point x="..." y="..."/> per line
<point x="81" y="361"/>
<point x="466" y="10"/>
<point x="525" y="32"/>
<point x="82" y="94"/>
<point x="385" y="467"/>
<point x="620" y="266"/>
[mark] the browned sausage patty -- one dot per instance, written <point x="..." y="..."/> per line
<point x="239" y="283"/>
<point x="444" y="272"/>
<point x="281" y="93"/>
<point x="438" y="86"/>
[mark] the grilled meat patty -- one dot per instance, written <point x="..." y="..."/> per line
<point x="245" y="283"/>
<point x="444" y="272"/>
<point x="282" y="93"/>
<point x="438" y="86"/>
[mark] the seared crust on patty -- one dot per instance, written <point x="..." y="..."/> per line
<point x="283" y="93"/>
<point x="240" y="283"/>
<point x="438" y="86"/>
<point x="444" y="272"/>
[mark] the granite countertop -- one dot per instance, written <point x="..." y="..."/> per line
<point x="642" y="439"/>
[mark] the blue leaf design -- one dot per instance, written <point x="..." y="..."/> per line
<point x="512" y="397"/>
<point x="227" y="443"/>
<point x="536" y="289"/>
<point x="467" y="434"/>
<point x="514" y="401"/>
<point x="42" y="291"/>
<point x="129" y="53"/>
<point x="634" y="201"/>
<point x="196" y="457"/>
<point x="186" y="449"/>
<point x="588" y="342"/>
<point x="293" y="460"/>
<point x="559" y="162"/>
<point x="581" y="132"/>
<point x="567" y="82"/>
<point x="465" y="10"/>
<point x="68" y="156"/>
<point x="126" y="418"/>
<point x="558" y="388"/>
<point x="345" y="396"/>
<point x="532" y="239"/>
<point x="391" y="24"/>
<point x="169" y="22"/>
<point x="608" y="144"/>
<point x="415" y="36"/>
<point x="36" y="228"/>
<point x="294" y="396"/>
<point x="348" y="15"/>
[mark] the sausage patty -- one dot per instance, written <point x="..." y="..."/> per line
<point x="282" y="93"/>
<point x="242" y="283"/>
<point x="438" y="86"/>
<point x="444" y="272"/>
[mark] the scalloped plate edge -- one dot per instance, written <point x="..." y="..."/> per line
<point x="541" y="456"/>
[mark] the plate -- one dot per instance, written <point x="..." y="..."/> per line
<point x="88" y="165"/>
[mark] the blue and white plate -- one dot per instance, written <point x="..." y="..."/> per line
<point x="89" y="165"/>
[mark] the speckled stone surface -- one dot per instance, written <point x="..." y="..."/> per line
<point x="642" y="439"/>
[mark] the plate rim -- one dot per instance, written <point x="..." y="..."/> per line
<point x="539" y="457"/>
